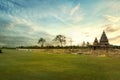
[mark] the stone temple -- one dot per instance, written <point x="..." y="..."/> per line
<point x="103" y="40"/>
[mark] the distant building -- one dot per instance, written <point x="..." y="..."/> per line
<point x="95" y="42"/>
<point x="103" y="40"/>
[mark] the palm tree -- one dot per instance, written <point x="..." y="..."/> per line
<point x="61" y="39"/>
<point x="41" y="41"/>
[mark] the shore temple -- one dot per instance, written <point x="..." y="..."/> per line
<point x="103" y="40"/>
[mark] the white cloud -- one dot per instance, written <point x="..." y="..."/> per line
<point x="113" y="31"/>
<point x="58" y="17"/>
<point x="115" y="40"/>
<point x="75" y="9"/>
<point x="112" y="18"/>
<point x="19" y="21"/>
<point x="109" y="7"/>
<point x="111" y="28"/>
<point x="76" y="14"/>
<point x="115" y="5"/>
<point x="67" y="15"/>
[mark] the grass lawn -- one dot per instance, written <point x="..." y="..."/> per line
<point x="42" y="65"/>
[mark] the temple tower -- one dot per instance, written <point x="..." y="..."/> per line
<point x="104" y="40"/>
<point x="95" y="43"/>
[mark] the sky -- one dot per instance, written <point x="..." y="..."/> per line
<point x="23" y="22"/>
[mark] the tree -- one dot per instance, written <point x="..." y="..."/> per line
<point x="41" y="41"/>
<point x="61" y="39"/>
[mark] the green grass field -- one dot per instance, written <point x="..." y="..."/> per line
<point x="43" y="65"/>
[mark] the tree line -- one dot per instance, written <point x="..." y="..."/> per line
<point x="60" y="38"/>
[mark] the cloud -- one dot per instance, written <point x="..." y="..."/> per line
<point x="75" y="9"/>
<point x="110" y="28"/>
<point x="72" y="15"/>
<point x="4" y="22"/>
<point x="115" y="5"/>
<point x="17" y="22"/>
<point x="112" y="31"/>
<point x="115" y="40"/>
<point x="67" y="14"/>
<point x="14" y="3"/>
<point x="112" y="18"/>
<point x="24" y="39"/>
<point x="15" y="40"/>
<point x="17" y="31"/>
<point x="60" y="19"/>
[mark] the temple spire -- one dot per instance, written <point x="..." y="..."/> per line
<point x="104" y="39"/>
<point x="95" y="42"/>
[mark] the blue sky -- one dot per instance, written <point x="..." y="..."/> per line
<point x="23" y="22"/>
